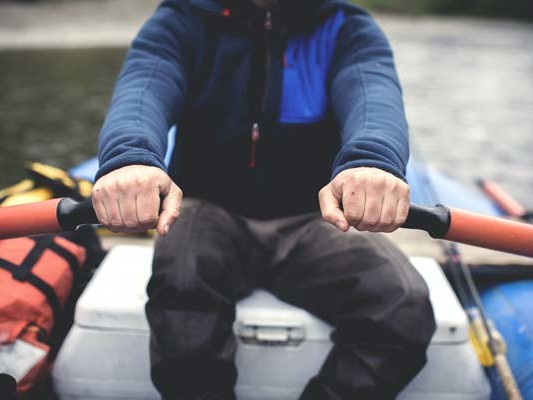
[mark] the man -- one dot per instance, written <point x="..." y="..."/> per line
<point x="276" y="103"/>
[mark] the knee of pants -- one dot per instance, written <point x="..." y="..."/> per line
<point x="395" y="310"/>
<point x="198" y="263"/>
<point x="414" y="320"/>
<point x="200" y="284"/>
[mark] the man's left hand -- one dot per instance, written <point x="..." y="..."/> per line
<point x="368" y="199"/>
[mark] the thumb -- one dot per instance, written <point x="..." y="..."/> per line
<point x="170" y="207"/>
<point x="330" y="208"/>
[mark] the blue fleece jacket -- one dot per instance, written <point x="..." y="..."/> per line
<point x="269" y="106"/>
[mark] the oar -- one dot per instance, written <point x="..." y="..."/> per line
<point x="440" y="222"/>
<point x="461" y="226"/>
<point x="49" y="216"/>
<point x="507" y="203"/>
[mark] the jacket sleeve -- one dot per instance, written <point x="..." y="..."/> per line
<point x="367" y="100"/>
<point x="149" y="92"/>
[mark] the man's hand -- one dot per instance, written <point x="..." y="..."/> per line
<point x="136" y="198"/>
<point x="368" y="199"/>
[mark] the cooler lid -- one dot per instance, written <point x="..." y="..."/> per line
<point x="263" y="319"/>
<point x="116" y="296"/>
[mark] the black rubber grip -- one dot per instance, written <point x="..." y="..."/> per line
<point x="434" y="220"/>
<point x="72" y="213"/>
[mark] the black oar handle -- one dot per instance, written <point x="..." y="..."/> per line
<point x="72" y="213"/>
<point x="434" y="220"/>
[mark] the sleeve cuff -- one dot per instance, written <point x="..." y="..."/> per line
<point x="131" y="158"/>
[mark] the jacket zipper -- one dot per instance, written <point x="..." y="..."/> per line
<point x="255" y="127"/>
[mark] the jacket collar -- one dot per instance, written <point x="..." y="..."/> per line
<point x="290" y="12"/>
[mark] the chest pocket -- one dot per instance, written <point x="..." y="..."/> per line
<point x="306" y="65"/>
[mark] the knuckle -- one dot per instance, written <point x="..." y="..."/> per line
<point x="357" y="180"/>
<point x="387" y="229"/>
<point x="380" y="182"/>
<point x="131" y="223"/>
<point x="351" y="179"/>
<point x="122" y="185"/>
<point x="115" y="223"/>
<point x="393" y="184"/>
<point x="403" y="188"/>
<point x="400" y="220"/>
<point x="99" y="190"/>
<point x="144" y="182"/>
<point x="362" y="227"/>
<point x="371" y="221"/>
<point x="353" y="216"/>
<point x="387" y="220"/>
<point x="148" y="219"/>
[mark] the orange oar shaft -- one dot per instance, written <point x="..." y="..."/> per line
<point x="502" y="199"/>
<point x="440" y="222"/>
<point x="29" y="219"/>
<point x="490" y="232"/>
<point x="48" y="216"/>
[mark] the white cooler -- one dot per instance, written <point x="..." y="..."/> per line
<point x="106" y="356"/>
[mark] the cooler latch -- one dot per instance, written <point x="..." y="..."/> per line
<point x="270" y="334"/>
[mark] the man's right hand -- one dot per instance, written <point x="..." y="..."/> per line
<point x="136" y="198"/>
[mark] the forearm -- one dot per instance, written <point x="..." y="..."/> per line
<point x="148" y="96"/>
<point x="367" y="100"/>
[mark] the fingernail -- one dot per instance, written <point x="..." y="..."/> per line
<point x="341" y="225"/>
<point x="166" y="229"/>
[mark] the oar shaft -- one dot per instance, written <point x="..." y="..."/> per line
<point x="490" y="232"/>
<point x="48" y="216"/>
<point x="440" y="222"/>
<point x="29" y="219"/>
<point x="471" y="228"/>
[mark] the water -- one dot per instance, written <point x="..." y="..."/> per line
<point x="468" y="88"/>
<point x="52" y="104"/>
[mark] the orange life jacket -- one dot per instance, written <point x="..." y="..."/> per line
<point x="36" y="277"/>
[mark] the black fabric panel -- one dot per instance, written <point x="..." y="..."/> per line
<point x="8" y="266"/>
<point x="67" y="256"/>
<point x="24" y="270"/>
<point x="39" y="284"/>
<point x="48" y="292"/>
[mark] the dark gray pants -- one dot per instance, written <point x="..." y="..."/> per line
<point x="358" y="282"/>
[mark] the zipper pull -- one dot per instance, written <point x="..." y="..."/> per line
<point x="255" y="138"/>
<point x="268" y="21"/>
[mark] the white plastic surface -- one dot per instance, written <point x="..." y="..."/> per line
<point x="105" y="355"/>
<point x="116" y="296"/>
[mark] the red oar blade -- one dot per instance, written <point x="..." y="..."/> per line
<point x="29" y="219"/>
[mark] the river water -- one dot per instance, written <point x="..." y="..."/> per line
<point x="468" y="88"/>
